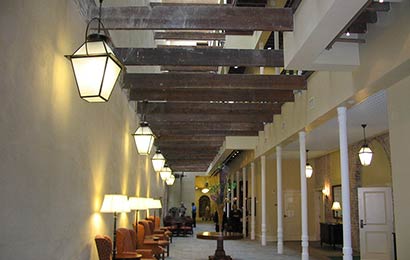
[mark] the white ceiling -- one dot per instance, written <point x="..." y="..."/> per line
<point x="325" y="138"/>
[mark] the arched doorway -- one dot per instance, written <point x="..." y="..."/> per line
<point x="203" y="203"/>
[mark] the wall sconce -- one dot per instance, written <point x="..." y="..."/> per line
<point x="144" y="139"/>
<point x="309" y="168"/>
<point x="158" y="161"/>
<point x="365" y="153"/>
<point x="165" y="172"/>
<point x="326" y="192"/>
<point x="96" y="68"/>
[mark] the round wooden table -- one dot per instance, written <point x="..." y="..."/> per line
<point x="219" y="237"/>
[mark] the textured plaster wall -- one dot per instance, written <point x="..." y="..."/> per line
<point x="59" y="155"/>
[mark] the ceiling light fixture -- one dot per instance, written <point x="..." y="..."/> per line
<point x="365" y="153"/>
<point x="96" y="68"/>
<point x="158" y="161"/>
<point x="165" y="172"/>
<point x="170" y="180"/>
<point x="309" y="168"/>
<point x="144" y="139"/>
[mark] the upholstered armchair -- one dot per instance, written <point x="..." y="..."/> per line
<point x="158" y="229"/>
<point x="104" y="247"/>
<point x="127" y="244"/>
<point x="162" y="240"/>
<point x="155" y="246"/>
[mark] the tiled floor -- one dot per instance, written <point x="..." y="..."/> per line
<point x="191" y="248"/>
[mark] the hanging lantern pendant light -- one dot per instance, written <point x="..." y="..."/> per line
<point x="365" y="153"/>
<point x="144" y="139"/>
<point x="96" y="68"/>
<point x="158" y="161"/>
<point x="309" y="168"/>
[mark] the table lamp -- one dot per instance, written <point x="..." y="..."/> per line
<point x="115" y="203"/>
<point x="336" y="207"/>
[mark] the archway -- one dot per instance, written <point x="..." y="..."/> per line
<point x="204" y="202"/>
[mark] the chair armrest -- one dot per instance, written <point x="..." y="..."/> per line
<point x="146" y="253"/>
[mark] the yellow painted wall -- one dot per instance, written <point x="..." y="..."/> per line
<point x="59" y="154"/>
<point x="399" y="122"/>
<point x="378" y="173"/>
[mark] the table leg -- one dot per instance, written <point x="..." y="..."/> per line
<point x="220" y="252"/>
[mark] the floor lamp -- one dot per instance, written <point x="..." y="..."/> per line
<point x="155" y="204"/>
<point x="137" y="203"/>
<point x="115" y="203"/>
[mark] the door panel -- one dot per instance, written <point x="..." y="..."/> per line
<point x="291" y="218"/>
<point x="376" y="223"/>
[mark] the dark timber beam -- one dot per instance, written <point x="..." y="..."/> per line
<point x="201" y="36"/>
<point x="207" y="108"/>
<point x="163" y="81"/>
<point x="201" y="145"/>
<point x="257" y="117"/>
<point x="200" y="57"/>
<point x="196" y="17"/>
<point x="216" y="126"/>
<point x="350" y="40"/>
<point x="189" y="138"/>
<point x="190" y="168"/>
<point x="165" y="132"/>
<point x="243" y="95"/>
<point x="189" y="69"/>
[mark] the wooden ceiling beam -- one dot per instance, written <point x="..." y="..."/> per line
<point x="188" y="138"/>
<point x="239" y="95"/>
<point x="209" y="157"/>
<point x="207" y="108"/>
<point x="378" y="7"/>
<point x="217" y="126"/>
<point x="164" y="132"/>
<point x="162" y="81"/>
<point x="200" y="57"/>
<point x="182" y="118"/>
<point x="189" y="68"/>
<point x="187" y="145"/>
<point x="181" y="35"/>
<point x="190" y="168"/>
<point x="196" y="17"/>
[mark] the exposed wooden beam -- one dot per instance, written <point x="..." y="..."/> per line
<point x="190" y="168"/>
<point x="257" y="117"/>
<point x="198" y="17"/>
<point x="378" y="7"/>
<point x="191" y="156"/>
<point x="188" y="47"/>
<point x="367" y="17"/>
<point x="257" y="95"/>
<point x="164" y="132"/>
<point x="200" y="57"/>
<point x="210" y="126"/>
<point x="189" y="68"/>
<point x="181" y="35"/>
<point x="358" y="28"/>
<point x="294" y="4"/>
<point x="243" y="33"/>
<point x="350" y="40"/>
<point x="178" y="151"/>
<point x="164" y="81"/>
<point x="188" y="138"/>
<point x="207" y="108"/>
<point x="201" y="145"/>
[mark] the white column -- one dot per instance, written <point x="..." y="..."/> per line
<point x="279" y="197"/>
<point x="244" y="222"/>
<point x="344" y="168"/>
<point x="303" y="193"/>
<point x="237" y="188"/>
<point x="231" y="199"/>
<point x="252" y="201"/>
<point x="263" y="195"/>
<point x="276" y="47"/>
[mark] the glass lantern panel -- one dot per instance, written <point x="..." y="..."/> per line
<point x="89" y="73"/>
<point x="165" y="175"/>
<point x="112" y="72"/>
<point x="158" y="161"/>
<point x="144" y="143"/>
<point x="365" y="156"/>
<point x="93" y="48"/>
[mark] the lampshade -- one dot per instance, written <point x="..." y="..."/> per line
<point x="336" y="205"/>
<point x="309" y="170"/>
<point x="96" y="68"/>
<point x="138" y="203"/>
<point x="115" y="203"/>
<point x="170" y="180"/>
<point x="165" y="173"/>
<point x="144" y="139"/>
<point x="155" y="204"/>
<point x="365" y="155"/>
<point x="158" y="161"/>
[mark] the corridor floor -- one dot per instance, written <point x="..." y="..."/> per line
<point x="191" y="248"/>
